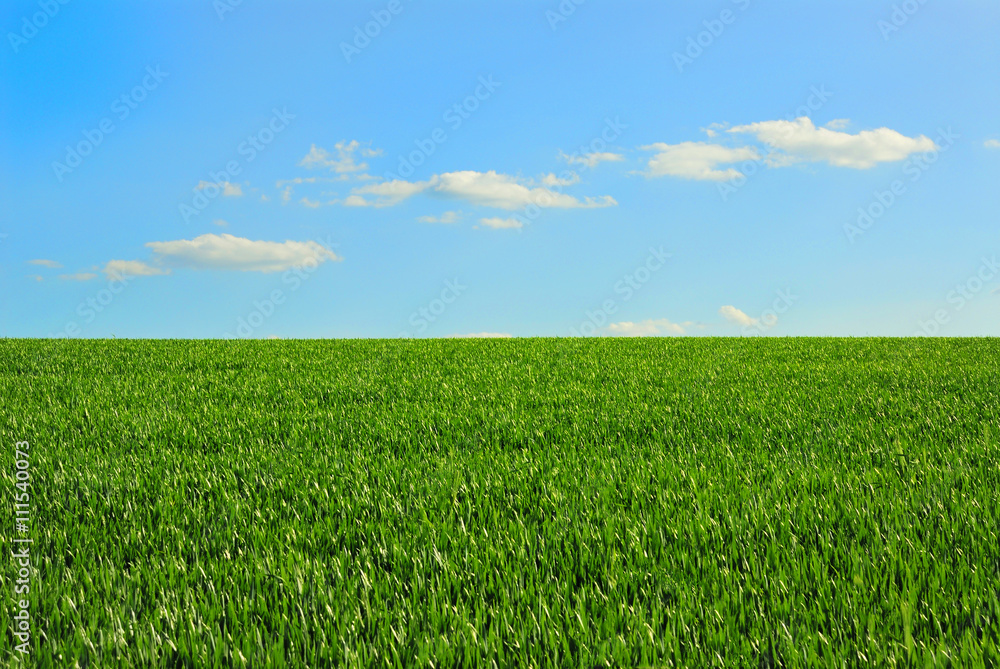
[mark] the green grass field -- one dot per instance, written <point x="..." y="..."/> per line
<point x="536" y="502"/>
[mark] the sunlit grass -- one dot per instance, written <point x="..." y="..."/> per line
<point x="746" y="502"/>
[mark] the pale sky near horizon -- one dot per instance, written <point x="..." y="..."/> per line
<point x="431" y="169"/>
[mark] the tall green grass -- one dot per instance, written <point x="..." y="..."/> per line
<point x="571" y="503"/>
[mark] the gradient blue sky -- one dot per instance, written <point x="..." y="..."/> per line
<point x="771" y="253"/>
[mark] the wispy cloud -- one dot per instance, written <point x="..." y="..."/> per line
<point x="227" y="252"/>
<point x="115" y="269"/>
<point x="503" y="191"/>
<point x="343" y="161"/>
<point x="498" y="223"/>
<point x="553" y="181"/>
<point x="281" y="183"/>
<point x="387" y="193"/>
<point x="79" y="276"/>
<point x="657" y="327"/>
<point x="486" y="189"/>
<point x="696" y="160"/>
<point x="228" y="189"/>
<point x="713" y="129"/>
<point x="52" y="264"/>
<point x="446" y="217"/>
<point x="592" y="160"/>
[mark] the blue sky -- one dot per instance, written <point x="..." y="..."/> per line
<point x="266" y="169"/>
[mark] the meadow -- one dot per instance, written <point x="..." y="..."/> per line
<point x="754" y="502"/>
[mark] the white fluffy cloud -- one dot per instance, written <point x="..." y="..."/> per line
<point x="498" y="223"/>
<point x="79" y="276"/>
<point x="656" y="327"/>
<point x="116" y="269"/>
<point x="734" y="315"/>
<point x="696" y="160"/>
<point x="592" y="160"/>
<point x="228" y="252"/>
<point x="992" y="144"/>
<point x="344" y="162"/>
<point x="784" y="143"/>
<point x="801" y="140"/>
